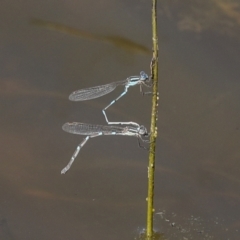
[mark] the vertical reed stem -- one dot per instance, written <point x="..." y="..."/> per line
<point x="151" y="165"/>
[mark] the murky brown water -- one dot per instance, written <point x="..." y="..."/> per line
<point x="103" y="194"/>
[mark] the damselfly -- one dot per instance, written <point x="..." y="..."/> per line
<point x="98" y="91"/>
<point x="98" y="130"/>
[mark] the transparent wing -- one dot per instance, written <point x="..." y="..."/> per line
<point x="90" y="129"/>
<point x="94" y="92"/>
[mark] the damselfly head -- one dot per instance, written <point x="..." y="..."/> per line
<point x="143" y="76"/>
<point x="143" y="131"/>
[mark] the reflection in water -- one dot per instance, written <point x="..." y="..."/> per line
<point x="10" y="88"/>
<point x="200" y="15"/>
<point x="118" y="41"/>
<point x="53" y="196"/>
<point x="224" y="176"/>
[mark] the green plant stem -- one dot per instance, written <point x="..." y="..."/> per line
<point x="151" y="165"/>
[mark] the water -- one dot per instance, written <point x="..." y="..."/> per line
<point x="103" y="196"/>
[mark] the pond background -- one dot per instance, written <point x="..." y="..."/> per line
<point x="103" y="195"/>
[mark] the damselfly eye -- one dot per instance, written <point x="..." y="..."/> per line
<point x="143" y="131"/>
<point x="143" y="76"/>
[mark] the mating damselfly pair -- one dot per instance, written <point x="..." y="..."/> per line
<point x="91" y="130"/>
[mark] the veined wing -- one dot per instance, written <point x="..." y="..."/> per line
<point x="94" y="92"/>
<point x="91" y="129"/>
